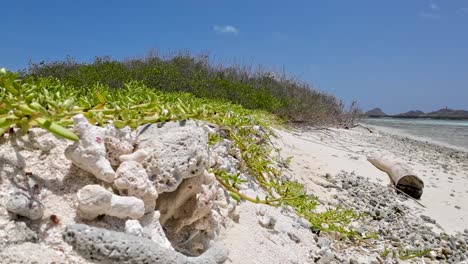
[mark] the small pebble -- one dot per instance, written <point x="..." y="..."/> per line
<point x="22" y="204"/>
<point x="323" y="242"/>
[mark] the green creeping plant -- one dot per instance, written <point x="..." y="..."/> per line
<point x="405" y="254"/>
<point x="24" y="106"/>
<point x="50" y="104"/>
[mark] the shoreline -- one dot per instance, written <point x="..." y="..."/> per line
<point x="421" y="117"/>
<point x="402" y="134"/>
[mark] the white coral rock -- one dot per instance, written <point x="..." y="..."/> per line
<point x="225" y="157"/>
<point x="116" y="148"/>
<point x="132" y="179"/>
<point x="137" y="156"/>
<point x="123" y="134"/>
<point x="157" y="232"/>
<point x="89" y="153"/>
<point x="134" y="227"/>
<point x="190" y="214"/>
<point x="177" y="151"/>
<point x="95" y="200"/>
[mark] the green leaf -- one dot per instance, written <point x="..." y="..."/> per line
<point x="57" y="129"/>
<point x="5" y="123"/>
<point x="119" y="123"/>
<point x="36" y="106"/>
<point x="235" y="196"/>
<point x="100" y="97"/>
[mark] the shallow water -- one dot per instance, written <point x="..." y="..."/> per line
<point x="450" y="133"/>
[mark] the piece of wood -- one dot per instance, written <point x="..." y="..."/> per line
<point x="368" y="129"/>
<point x="401" y="176"/>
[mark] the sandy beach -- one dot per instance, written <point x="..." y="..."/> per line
<point x="332" y="164"/>
<point x="324" y="158"/>
<point x="329" y="151"/>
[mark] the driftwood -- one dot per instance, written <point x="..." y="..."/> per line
<point x="402" y="177"/>
<point x="368" y="129"/>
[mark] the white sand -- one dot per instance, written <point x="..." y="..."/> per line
<point x="318" y="152"/>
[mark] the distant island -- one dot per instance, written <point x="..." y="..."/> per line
<point x="444" y="113"/>
<point x="376" y="112"/>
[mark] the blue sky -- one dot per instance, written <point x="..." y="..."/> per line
<point x="397" y="55"/>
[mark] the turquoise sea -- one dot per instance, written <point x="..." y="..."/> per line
<point x="451" y="133"/>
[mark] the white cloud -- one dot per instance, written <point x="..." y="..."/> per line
<point x="434" y="6"/>
<point x="432" y="12"/>
<point x="226" y="29"/>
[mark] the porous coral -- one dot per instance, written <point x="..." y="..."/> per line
<point x="116" y="247"/>
<point x="116" y="148"/>
<point x="126" y="184"/>
<point x="89" y="153"/>
<point x="177" y="151"/>
<point x="191" y="215"/>
<point x="95" y="200"/>
<point x="132" y="179"/>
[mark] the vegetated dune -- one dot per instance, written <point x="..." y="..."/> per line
<point x="134" y="175"/>
<point x="254" y="89"/>
<point x="109" y="159"/>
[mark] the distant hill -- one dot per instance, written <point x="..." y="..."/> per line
<point x="448" y="113"/>
<point x="412" y="113"/>
<point x="444" y="113"/>
<point x="376" y="112"/>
